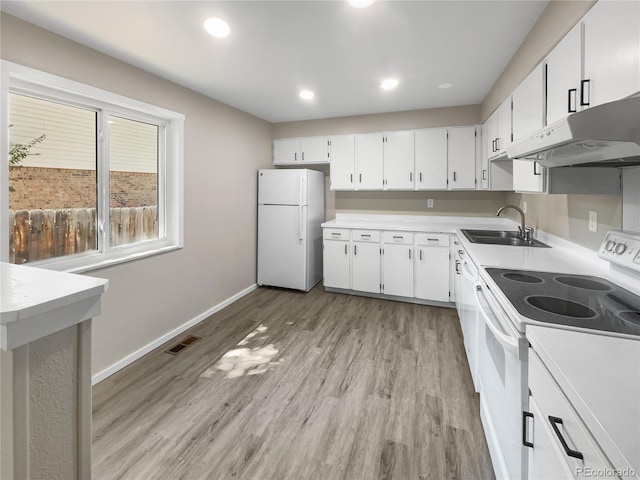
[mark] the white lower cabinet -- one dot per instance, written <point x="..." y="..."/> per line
<point x="400" y="264"/>
<point x="397" y="264"/>
<point x="431" y="267"/>
<point x="336" y="258"/>
<point x="560" y="444"/>
<point x="365" y="261"/>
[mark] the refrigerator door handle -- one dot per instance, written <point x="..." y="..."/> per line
<point x="300" y="224"/>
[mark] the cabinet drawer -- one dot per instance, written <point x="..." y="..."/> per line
<point x="365" y="236"/>
<point x="553" y="403"/>
<point x="432" y="239"/>
<point x="335" y="234"/>
<point x="397" y="237"/>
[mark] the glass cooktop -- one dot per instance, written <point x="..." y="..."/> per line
<point x="574" y="300"/>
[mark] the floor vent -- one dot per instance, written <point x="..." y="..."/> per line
<point x="187" y="341"/>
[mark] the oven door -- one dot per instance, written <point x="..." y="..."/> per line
<point x="502" y="375"/>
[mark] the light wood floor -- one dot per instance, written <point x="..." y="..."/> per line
<point x="360" y="388"/>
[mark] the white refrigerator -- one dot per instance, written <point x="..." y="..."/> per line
<point x="290" y="212"/>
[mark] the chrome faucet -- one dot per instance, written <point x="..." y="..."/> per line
<point x="524" y="232"/>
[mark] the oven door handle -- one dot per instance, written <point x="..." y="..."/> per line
<point x="510" y="343"/>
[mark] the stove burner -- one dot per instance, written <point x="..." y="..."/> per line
<point x="584" y="283"/>
<point x="633" y="317"/>
<point x="521" y="277"/>
<point x="560" y="306"/>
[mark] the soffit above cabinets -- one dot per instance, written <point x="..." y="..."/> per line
<point x="277" y="48"/>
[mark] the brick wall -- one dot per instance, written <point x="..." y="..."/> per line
<point x="41" y="188"/>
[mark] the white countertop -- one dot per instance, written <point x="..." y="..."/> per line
<point x="416" y="223"/>
<point x="28" y="294"/>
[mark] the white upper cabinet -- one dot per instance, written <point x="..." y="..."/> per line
<point x="398" y="160"/>
<point x="295" y="151"/>
<point x="369" y="161"/>
<point x="497" y="130"/>
<point x="314" y="150"/>
<point x="528" y="176"/>
<point x="461" y="146"/>
<point x="286" y="151"/>
<point x="611" y="52"/>
<point x="528" y="103"/>
<point x="563" y="77"/>
<point x="343" y="162"/>
<point x="431" y="159"/>
<point x="504" y="138"/>
<point x="605" y="45"/>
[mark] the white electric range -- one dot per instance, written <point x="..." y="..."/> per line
<point x="511" y="300"/>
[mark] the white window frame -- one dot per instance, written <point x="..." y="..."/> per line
<point x="15" y="78"/>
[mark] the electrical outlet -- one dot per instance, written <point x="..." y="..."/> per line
<point x="430" y="203"/>
<point x="524" y="207"/>
<point x="593" y="221"/>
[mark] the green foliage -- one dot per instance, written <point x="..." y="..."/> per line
<point x="19" y="151"/>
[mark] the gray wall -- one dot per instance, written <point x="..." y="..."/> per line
<point x="445" y="203"/>
<point x="563" y="215"/>
<point x="223" y="148"/>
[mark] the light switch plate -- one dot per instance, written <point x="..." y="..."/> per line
<point x="593" y="221"/>
<point x="524" y="207"/>
<point x="430" y="203"/>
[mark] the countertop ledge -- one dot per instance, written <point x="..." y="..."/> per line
<point x="416" y="223"/>
<point x="35" y="302"/>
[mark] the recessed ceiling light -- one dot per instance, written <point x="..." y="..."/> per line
<point x="306" y="94"/>
<point x="360" y="3"/>
<point x="389" y="83"/>
<point x="444" y="86"/>
<point x="217" y="27"/>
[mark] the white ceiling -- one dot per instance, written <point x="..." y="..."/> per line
<point x="277" y="48"/>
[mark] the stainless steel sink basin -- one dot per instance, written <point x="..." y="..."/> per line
<point x="490" y="233"/>
<point x="500" y="237"/>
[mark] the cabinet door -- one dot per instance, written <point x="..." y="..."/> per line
<point x="504" y="126"/>
<point x="563" y="71"/>
<point x="342" y="167"/>
<point x="369" y="160"/>
<point x="432" y="273"/>
<point x="461" y="146"/>
<point x="611" y="51"/>
<point x="365" y="267"/>
<point x="431" y="159"/>
<point x="490" y="134"/>
<point x="336" y="264"/>
<point x="398" y="270"/>
<point x="528" y="104"/>
<point x="528" y="176"/>
<point x="398" y="160"/>
<point x="314" y="150"/>
<point x="545" y="458"/>
<point x="286" y="151"/>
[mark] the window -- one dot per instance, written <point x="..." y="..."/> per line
<point x="92" y="178"/>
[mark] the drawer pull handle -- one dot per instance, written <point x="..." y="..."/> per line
<point x="554" y="424"/>
<point x="458" y="267"/>
<point x="432" y="239"/>
<point x="365" y="236"/>
<point x="524" y="429"/>
<point x="398" y="237"/>
<point x="335" y="234"/>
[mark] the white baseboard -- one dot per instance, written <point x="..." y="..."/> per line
<point x="132" y="357"/>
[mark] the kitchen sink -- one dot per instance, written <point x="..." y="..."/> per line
<point x="490" y="233"/>
<point x="500" y="237"/>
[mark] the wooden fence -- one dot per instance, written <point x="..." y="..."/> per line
<point x="40" y="234"/>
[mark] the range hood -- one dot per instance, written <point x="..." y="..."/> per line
<point x="605" y="135"/>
